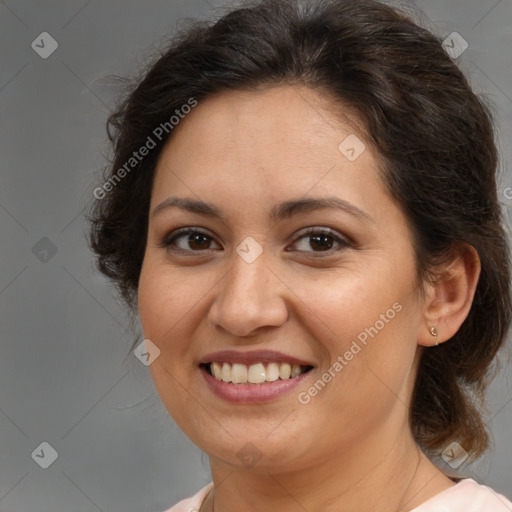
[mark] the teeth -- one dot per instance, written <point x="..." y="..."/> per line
<point x="285" y="370"/>
<point x="295" y="370"/>
<point x="226" y="372"/>
<point x="217" y="370"/>
<point x="238" y="373"/>
<point x="272" y="372"/>
<point x="255" y="373"/>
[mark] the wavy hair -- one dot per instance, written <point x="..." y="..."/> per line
<point x="434" y="136"/>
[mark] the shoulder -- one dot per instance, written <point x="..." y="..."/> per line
<point x="467" y="496"/>
<point x="191" y="504"/>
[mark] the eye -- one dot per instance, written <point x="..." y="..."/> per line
<point x="187" y="240"/>
<point x="322" y="239"/>
<point x="194" y="240"/>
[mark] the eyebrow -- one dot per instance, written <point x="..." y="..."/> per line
<point x="279" y="212"/>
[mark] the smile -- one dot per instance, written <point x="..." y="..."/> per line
<point x="255" y="373"/>
<point x="257" y="376"/>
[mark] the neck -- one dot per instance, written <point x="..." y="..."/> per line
<point x="385" y="477"/>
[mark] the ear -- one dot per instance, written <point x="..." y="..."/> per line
<point x="449" y="299"/>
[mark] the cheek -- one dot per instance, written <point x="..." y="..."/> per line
<point x="165" y="298"/>
<point x="370" y="323"/>
<point x="167" y="304"/>
<point x="343" y="305"/>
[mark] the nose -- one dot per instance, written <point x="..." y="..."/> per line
<point x="250" y="298"/>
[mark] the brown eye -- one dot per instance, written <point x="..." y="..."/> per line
<point x="198" y="241"/>
<point x="188" y="240"/>
<point x="320" y="240"/>
<point x="324" y="242"/>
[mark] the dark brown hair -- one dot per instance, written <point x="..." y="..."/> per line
<point x="434" y="135"/>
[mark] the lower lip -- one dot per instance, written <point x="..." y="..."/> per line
<point x="251" y="393"/>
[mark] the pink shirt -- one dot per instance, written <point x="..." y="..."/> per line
<point x="465" y="496"/>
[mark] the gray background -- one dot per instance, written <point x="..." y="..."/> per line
<point x="64" y="378"/>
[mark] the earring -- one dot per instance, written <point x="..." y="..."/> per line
<point x="433" y="332"/>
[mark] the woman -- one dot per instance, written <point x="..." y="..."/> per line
<point x="302" y="208"/>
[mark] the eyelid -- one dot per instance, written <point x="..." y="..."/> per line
<point x="343" y="240"/>
<point x="179" y="232"/>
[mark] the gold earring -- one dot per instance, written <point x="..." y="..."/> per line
<point x="433" y="332"/>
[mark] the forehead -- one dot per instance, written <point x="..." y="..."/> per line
<point x="268" y="145"/>
<point x="296" y="116"/>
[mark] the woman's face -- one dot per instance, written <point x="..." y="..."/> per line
<point x="251" y="290"/>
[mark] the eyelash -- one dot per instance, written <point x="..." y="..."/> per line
<point x="170" y="239"/>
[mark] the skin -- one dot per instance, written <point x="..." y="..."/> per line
<point x="350" y="448"/>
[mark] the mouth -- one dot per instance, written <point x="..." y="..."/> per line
<point x="258" y="373"/>
<point x="253" y="377"/>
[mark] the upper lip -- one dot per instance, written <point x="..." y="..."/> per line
<point x="252" y="357"/>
